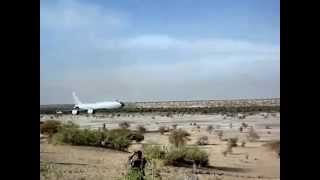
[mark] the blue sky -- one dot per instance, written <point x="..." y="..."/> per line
<point x="143" y="50"/>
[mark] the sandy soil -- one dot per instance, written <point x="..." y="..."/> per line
<point x="250" y="162"/>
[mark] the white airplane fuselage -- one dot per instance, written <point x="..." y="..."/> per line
<point x="100" y="105"/>
<point x="91" y="107"/>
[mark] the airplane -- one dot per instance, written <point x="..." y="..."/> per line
<point x="91" y="107"/>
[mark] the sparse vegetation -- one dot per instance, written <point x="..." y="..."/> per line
<point x="118" y="139"/>
<point x="124" y="125"/>
<point x="233" y="142"/>
<point x="186" y="156"/>
<point x="244" y="125"/>
<point x="153" y="152"/>
<point x="203" y="140"/>
<point x="243" y="143"/>
<point x="50" y="127"/>
<point x="209" y="129"/>
<point x="141" y="129"/>
<point x="252" y="135"/>
<point x="219" y="134"/>
<point x="178" y="137"/>
<point x="174" y="126"/>
<point x="162" y="130"/>
<point x="274" y="146"/>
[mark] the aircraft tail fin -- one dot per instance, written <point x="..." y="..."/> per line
<point x="76" y="99"/>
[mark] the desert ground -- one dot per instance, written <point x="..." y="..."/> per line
<point x="253" y="161"/>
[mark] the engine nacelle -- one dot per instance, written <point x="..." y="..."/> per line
<point x="75" y="112"/>
<point x="90" y="111"/>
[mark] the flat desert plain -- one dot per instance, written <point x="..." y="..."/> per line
<point x="253" y="161"/>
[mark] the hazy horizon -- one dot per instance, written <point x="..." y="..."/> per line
<point x="143" y="50"/>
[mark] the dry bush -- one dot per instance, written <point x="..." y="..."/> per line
<point x="243" y="143"/>
<point x="274" y="146"/>
<point x="244" y="125"/>
<point x="232" y="142"/>
<point x="209" y="129"/>
<point x="253" y="135"/>
<point x="220" y="134"/>
<point x="162" y="130"/>
<point x="227" y="150"/>
<point x="178" y="137"/>
<point x="124" y="125"/>
<point x="174" y="126"/>
<point x="203" y="140"/>
<point x="50" y="127"/>
<point x="153" y="152"/>
<point x="141" y="129"/>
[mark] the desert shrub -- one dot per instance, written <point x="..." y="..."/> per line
<point x="227" y="150"/>
<point x="220" y="134"/>
<point x="243" y="143"/>
<point x="119" y="139"/>
<point x="174" y="126"/>
<point x="186" y="156"/>
<point x="178" y="137"/>
<point x="253" y="135"/>
<point x="142" y="129"/>
<point x="230" y="125"/>
<point x="209" y="129"/>
<point x="274" y="146"/>
<point x="75" y="136"/>
<point x="232" y="142"/>
<point x="203" y="140"/>
<point x="153" y="152"/>
<point x="198" y="127"/>
<point x="50" y="127"/>
<point x="138" y="137"/>
<point x="244" y="125"/>
<point x="163" y="129"/>
<point x="133" y="174"/>
<point x="124" y="125"/>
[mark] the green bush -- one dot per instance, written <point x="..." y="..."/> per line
<point x="153" y="152"/>
<point x="50" y="127"/>
<point x="133" y="174"/>
<point x="119" y="139"/>
<point x="81" y="137"/>
<point x="178" y="137"/>
<point x="186" y="156"/>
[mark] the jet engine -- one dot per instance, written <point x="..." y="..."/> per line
<point x="75" y="112"/>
